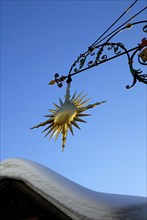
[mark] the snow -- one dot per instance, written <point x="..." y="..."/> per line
<point x="76" y="201"/>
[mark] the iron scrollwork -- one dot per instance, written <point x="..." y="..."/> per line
<point x="97" y="54"/>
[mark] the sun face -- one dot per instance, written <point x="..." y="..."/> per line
<point x="66" y="115"/>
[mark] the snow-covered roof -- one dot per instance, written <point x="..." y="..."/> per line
<point x="74" y="200"/>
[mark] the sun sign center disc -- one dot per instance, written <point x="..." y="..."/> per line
<point x="65" y="114"/>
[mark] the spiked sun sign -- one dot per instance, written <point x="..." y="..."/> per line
<point x="66" y="115"/>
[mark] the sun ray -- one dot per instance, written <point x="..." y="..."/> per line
<point x="64" y="134"/>
<point x="75" y="124"/>
<point x="73" y="97"/>
<point x="53" y="133"/>
<point x="83" y="103"/>
<point x="61" y="103"/>
<point x="51" y="115"/>
<point x="48" y="127"/>
<point x="56" y="106"/>
<point x="43" y="123"/>
<point x="70" y="128"/>
<point x="77" y="98"/>
<point x="53" y="111"/>
<point x="82" y="115"/>
<point x="58" y="132"/>
<point x="52" y="128"/>
<point x="79" y="119"/>
<point x="64" y="117"/>
<point x="80" y="100"/>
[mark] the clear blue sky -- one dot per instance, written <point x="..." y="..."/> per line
<point x="40" y="38"/>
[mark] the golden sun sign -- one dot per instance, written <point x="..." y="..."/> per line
<point x="66" y="115"/>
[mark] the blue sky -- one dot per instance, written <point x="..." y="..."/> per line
<point x="40" y="38"/>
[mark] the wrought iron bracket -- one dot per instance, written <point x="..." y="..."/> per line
<point x="96" y="55"/>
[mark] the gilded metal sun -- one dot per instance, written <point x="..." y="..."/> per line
<point x="66" y="115"/>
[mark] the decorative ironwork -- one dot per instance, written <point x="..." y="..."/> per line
<point x="68" y="113"/>
<point x="99" y="53"/>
